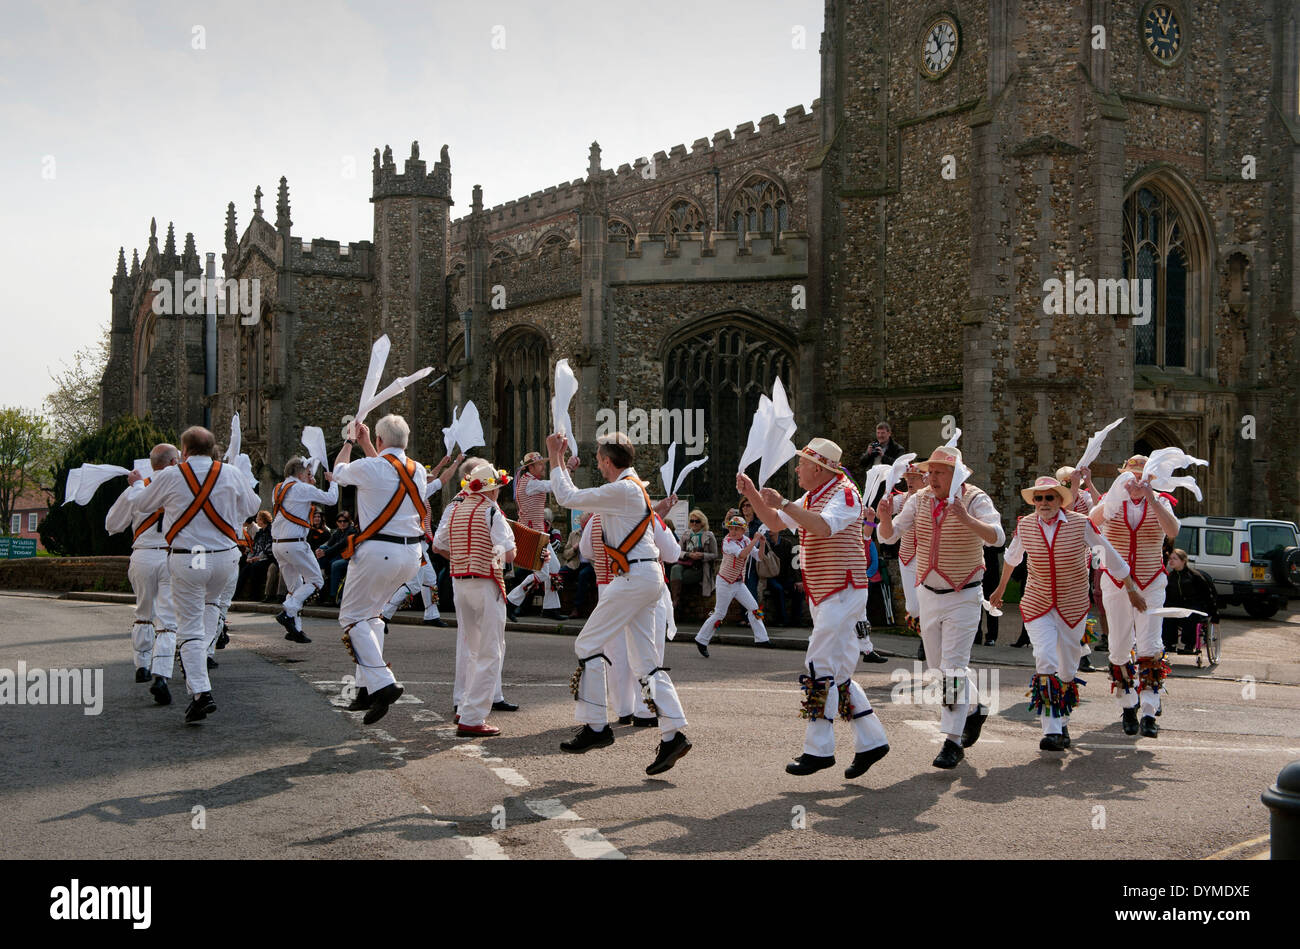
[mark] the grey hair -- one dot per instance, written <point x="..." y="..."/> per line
<point x="393" y="430"/>
<point x="162" y="455"/>
<point x="468" y="465"/>
<point x="294" y="467"/>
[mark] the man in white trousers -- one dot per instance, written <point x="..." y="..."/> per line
<point x="477" y="542"/>
<point x="736" y="554"/>
<point x="201" y="499"/>
<point x="627" y="520"/>
<point x="1058" y="542"/>
<point x="153" y="635"/>
<point x="1138" y="528"/>
<point x="426" y="580"/>
<point x="950" y="541"/>
<point x="384" y="554"/>
<point x="828" y="518"/>
<point x="291" y="513"/>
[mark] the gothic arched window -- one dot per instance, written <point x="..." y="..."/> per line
<point x="682" y="216"/>
<point x="523" y="389"/>
<point x="760" y="205"/>
<point x="1154" y="250"/>
<point x="721" y="371"/>
<point x="620" y="231"/>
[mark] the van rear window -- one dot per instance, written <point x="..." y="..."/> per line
<point x="1269" y="539"/>
<point x="1218" y="543"/>
<point x="1189" y="539"/>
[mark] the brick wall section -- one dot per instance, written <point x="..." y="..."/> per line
<point x="64" y="574"/>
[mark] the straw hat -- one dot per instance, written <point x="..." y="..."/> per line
<point x="1048" y="484"/>
<point x="1135" y="465"/>
<point x="943" y="455"/>
<point x="485" y="478"/>
<point x="530" y="458"/>
<point x="825" y="453"/>
<point x="736" y="521"/>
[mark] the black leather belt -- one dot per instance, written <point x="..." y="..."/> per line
<point x="643" y="560"/>
<point x="394" y="539"/>
<point x="291" y="540"/>
<point x="184" y="550"/>
<point x="941" y="592"/>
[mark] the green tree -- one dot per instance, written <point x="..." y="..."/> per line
<point x="73" y="407"/>
<point x="76" y="531"/>
<point x="25" y="456"/>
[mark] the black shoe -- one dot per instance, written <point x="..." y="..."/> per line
<point x="669" y="752"/>
<point x="1021" y="642"/>
<point x="555" y="614"/>
<point x="920" y="653"/>
<point x="949" y="755"/>
<point x="625" y="719"/>
<point x="1185" y="651"/>
<point x="588" y="738"/>
<point x="1052" y="743"/>
<point x="360" y="701"/>
<point x="285" y="620"/>
<point x="504" y="706"/>
<point x="142" y="675"/>
<point x="704" y="650"/>
<point x="201" y="706"/>
<point x="512" y="612"/>
<point x="974" y="725"/>
<point x="1065" y="734"/>
<point x="639" y="722"/>
<point x="766" y="642"/>
<point x="990" y="641"/>
<point x="223" y="638"/>
<point x="1085" y="665"/>
<point x="864" y="760"/>
<point x="212" y="663"/>
<point x="1130" y="721"/>
<point x="161" y="694"/>
<point x="436" y="622"/>
<point x="809" y="764"/>
<point x="873" y="656"/>
<point x="297" y="636"/>
<point x="380" y="701"/>
<point x="1149" y="727"/>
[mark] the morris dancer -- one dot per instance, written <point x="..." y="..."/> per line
<point x="1058" y="543"/>
<point x="384" y="555"/>
<point x="950" y="540"/>
<point x="531" y="490"/>
<point x="628" y="603"/>
<point x="426" y="580"/>
<point x="1139" y="529"/>
<point x="477" y="541"/>
<point x="203" y="555"/>
<point x="915" y="480"/>
<point x="828" y="518"/>
<point x="736" y="554"/>
<point x="1079" y="480"/>
<point x="292" y="501"/>
<point x="154" y="632"/>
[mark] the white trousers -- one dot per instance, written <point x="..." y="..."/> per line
<point x="198" y="580"/>
<point x="626" y="607"/>
<point x="1056" y="652"/>
<point x="550" y="599"/>
<point x="727" y="592"/>
<point x="908" y="573"/>
<point x="1134" y="632"/>
<point x="426" y="585"/>
<point x="833" y="651"/>
<point x="301" y="574"/>
<point x="153" y="635"/>
<point x="377" y="568"/>
<point x="948" y="625"/>
<point x="224" y="599"/>
<point x="481" y="613"/>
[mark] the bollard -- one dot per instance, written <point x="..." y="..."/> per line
<point x="1283" y="803"/>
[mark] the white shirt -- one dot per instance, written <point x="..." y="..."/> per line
<point x="620" y="504"/>
<point x="538" y="486"/>
<point x="837" y="514"/>
<point x="980" y="507"/>
<point x="375" y="481"/>
<point x="1015" y="551"/>
<point x="498" y="530"/>
<point x="298" y="502"/>
<point x="232" y="497"/>
<point x="433" y="487"/>
<point x="125" y="515"/>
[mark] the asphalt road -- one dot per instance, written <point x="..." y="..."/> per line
<point x="280" y="770"/>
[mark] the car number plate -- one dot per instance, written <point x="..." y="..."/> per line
<point x="1257" y="573"/>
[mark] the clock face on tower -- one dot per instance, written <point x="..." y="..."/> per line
<point x="1162" y="33"/>
<point x="939" y="46"/>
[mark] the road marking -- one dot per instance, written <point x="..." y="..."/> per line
<point x="551" y="809"/>
<point x="1228" y="853"/>
<point x="1215" y="748"/>
<point x="589" y="844"/>
<point x="482" y="848"/>
<point x="511" y="777"/>
<point x="426" y="715"/>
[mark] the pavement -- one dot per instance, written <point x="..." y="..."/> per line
<point x="280" y="770"/>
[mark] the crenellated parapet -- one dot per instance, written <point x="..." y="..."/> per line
<point x="725" y="256"/>
<point x="329" y="258"/>
<point x="414" y="180"/>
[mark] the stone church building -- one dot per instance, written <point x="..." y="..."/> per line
<point x="887" y="254"/>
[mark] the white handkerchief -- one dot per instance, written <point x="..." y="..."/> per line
<point x="449" y="433"/>
<point x="313" y="439"/>
<point x="1175" y="612"/>
<point x="681" y="476"/>
<point x="1093" y="449"/>
<point x="378" y="359"/>
<point x="666" y="470"/>
<point x="959" y="477"/>
<point x="952" y="442"/>
<point x="89" y="479"/>
<point x="566" y="387"/>
<point x="757" y="433"/>
<point x="989" y="607"/>
<point x="236" y="439"/>
<point x="469" y="430"/>
<point x="392" y="389"/>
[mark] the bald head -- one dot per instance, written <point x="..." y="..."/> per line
<point x="163" y="455"/>
<point x="197" y="440"/>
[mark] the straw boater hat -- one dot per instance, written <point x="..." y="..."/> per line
<point x="825" y="453"/>
<point x="1048" y="484"/>
<point x="531" y="457"/>
<point x="736" y="521"/>
<point x="1135" y="465"/>
<point x="943" y="455"/>
<point x="1063" y="474"/>
<point x="485" y="478"/>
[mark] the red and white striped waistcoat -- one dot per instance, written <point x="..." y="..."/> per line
<point x="599" y="558"/>
<point x="731" y="569"/>
<point x="1140" y="546"/>
<point x="906" y="546"/>
<point x="835" y="563"/>
<point x="949" y="548"/>
<point x="471" y="542"/>
<point x="1083" y="502"/>
<point x="1058" y="572"/>
<point x="532" y="507"/>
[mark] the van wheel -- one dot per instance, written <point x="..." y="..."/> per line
<point x="1262" y="608"/>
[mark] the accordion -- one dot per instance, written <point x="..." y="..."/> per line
<point x="529" y="546"/>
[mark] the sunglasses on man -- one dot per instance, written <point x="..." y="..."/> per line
<point x="1044" y="497"/>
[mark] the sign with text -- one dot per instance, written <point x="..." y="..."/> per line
<point x="16" y="547"/>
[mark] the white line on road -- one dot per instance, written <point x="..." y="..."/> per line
<point x="511" y="777"/>
<point x="482" y="848"/>
<point x="589" y="844"/>
<point x="551" y="809"/>
<point x="1215" y="748"/>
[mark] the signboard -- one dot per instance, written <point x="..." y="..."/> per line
<point x="13" y="548"/>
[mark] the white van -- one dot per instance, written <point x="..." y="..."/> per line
<point x="1254" y="562"/>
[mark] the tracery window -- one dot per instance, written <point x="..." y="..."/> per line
<point x="682" y="216"/>
<point x="760" y="205"/>
<point x="620" y="231"/>
<point x="523" y="392"/>
<point x="1154" y="250"/>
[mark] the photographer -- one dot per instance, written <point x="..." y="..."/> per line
<point x="883" y="451"/>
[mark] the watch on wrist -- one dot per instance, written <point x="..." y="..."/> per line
<point x="785" y="502"/>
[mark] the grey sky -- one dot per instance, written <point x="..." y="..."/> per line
<point x="141" y="124"/>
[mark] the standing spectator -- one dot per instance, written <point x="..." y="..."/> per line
<point x="318" y="534"/>
<point x="577" y="573"/>
<point x="331" y="559"/>
<point x="1192" y="590"/>
<point x="699" y="551"/>
<point x="883" y="451"/>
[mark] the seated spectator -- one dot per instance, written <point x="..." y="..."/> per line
<point x="253" y="574"/>
<point x="699" y="551"/>
<point x="1192" y="590"/>
<point x="330" y="555"/>
<point x="318" y="534"/>
<point x="578" y="571"/>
